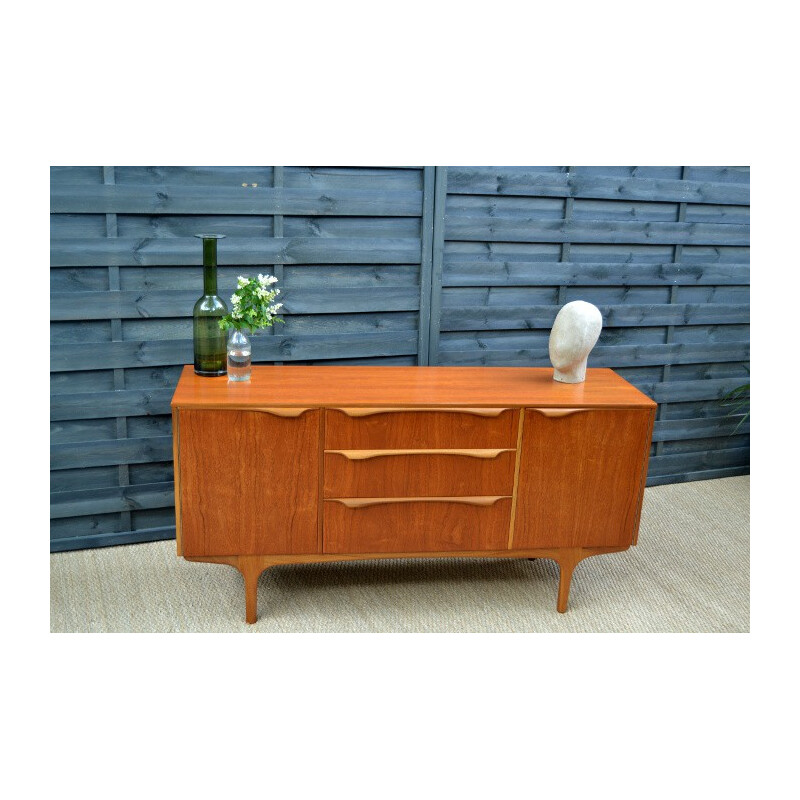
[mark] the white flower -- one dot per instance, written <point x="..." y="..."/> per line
<point x="271" y="279"/>
<point x="236" y="299"/>
<point x="241" y="281"/>
<point x="262" y="292"/>
<point x="274" y="308"/>
<point x="237" y="314"/>
<point x="266" y="280"/>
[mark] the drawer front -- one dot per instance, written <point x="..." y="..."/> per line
<point x="381" y="429"/>
<point x="421" y="473"/>
<point x="395" y="525"/>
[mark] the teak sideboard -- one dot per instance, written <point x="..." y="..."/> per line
<point x="306" y="464"/>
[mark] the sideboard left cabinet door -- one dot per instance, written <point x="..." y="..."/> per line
<point x="249" y="482"/>
<point x="581" y="478"/>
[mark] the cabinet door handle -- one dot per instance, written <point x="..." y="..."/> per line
<point x="279" y="412"/>
<point x="361" y="455"/>
<point x="365" y="502"/>
<point x="366" y="412"/>
<point x="559" y="412"/>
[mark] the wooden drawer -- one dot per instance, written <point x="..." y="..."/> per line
<point x="391" y="428"/>
<point x="408" y="525"/>
<point x="418" y="473"/>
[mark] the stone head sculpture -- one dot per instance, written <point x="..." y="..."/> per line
<point x="575" y="332"/>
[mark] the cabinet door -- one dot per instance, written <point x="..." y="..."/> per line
<point x="249" y="482"/>
<point x="581" y="477"/>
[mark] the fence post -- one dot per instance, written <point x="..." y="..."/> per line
<point x="426" y="259"/>
<point x="440" y="197"/>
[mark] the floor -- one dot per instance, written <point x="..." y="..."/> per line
<point x="690" y="572"/>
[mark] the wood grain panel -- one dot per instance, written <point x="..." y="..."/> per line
<point x="422" y="475"/>
<point x="393" y="387"/>
<point x="176" y="484"/>
<point x="418" y="429"/>
<point x="408" y="527"/>
<point x="580" y="478"/>
<point x="249" y="482"/>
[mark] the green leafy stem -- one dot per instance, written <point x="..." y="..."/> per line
<point x="253" y="306"/>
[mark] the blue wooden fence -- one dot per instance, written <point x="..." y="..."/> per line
<point x="396" y="265"/>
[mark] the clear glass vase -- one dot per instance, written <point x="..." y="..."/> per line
<point x="239" y="350"/>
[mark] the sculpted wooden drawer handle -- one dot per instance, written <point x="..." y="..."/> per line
<point x="365" y="502"/>
<point x="366" y="412"/>
<point x="559" y="412"/>
<point x="279" y="412"/>
<point x="360" y="455"/>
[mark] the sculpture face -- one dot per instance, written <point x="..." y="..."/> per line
<point x="575" y="332"/>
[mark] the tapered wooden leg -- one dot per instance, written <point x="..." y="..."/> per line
<point x="251" y="569"/>
<point x="567" y="562"/>
<point x="251" y="596"/>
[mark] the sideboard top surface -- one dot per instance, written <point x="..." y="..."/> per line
<point x="347" y="386"/>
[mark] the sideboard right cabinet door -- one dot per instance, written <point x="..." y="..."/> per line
<point x="581" y="477"/>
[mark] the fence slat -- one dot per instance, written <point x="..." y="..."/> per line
<point x="713" y="459"/>
<point x="107" y="452"/>
<point x="519" y="181"/>
<point x="168" y="199"/>
<point x="90" y="540"/>
<point x="514" y="317"/>
<point x="677" y="391"/>
<point x="105" y="501"/>
<point x="121" y="403"/>
<point x="131" y="252"/>
<point x="542" y="273"/>
<point x="497" y="229"/>
<point x="165" y="303"/>
<point x="675" y="429"/>
<point x="699" y="475"/>
<point x="610" y="356"/>
<point x="70" y="357"/>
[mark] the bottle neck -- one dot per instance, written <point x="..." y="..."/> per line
<point x="209" y="266"/>
<point x="209" y="279"/>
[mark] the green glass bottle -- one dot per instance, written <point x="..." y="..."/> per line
<point x="210" y="352"/>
